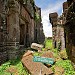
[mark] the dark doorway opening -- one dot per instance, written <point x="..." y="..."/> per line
<point x="27" y="36"/>
<point x="55" y="44"/>
<point x="22" y="34"/>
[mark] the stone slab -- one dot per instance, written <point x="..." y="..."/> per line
<point x="48" y="54"/>
<point x="35" y="67"/>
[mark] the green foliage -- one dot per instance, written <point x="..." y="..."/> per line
<point x="55" y="52"/>
<point x="66" y="64"/>
<point x="17" y="63"/>
<point x="21" y="69"/>
<point x="48" y="43"/>
<point x="63" y="54"/>
<point x="3" y="67"/>
<point x="37" y="53"/>
<point x="37" y="17"/>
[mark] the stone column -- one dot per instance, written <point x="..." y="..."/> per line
<point x="62" y="39"/>
<point x="13" y="22"/>
<point x="32" y="30"/>
<point x="61" y="33"/>
<point x="13" y="29"/>
<point x="53" y="20"/>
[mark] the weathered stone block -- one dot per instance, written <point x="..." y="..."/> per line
<point x="58" y="70"/>
<point x="52" y="15"/>
<point x="36" y="46"/>
<point x="65" y="6"/>
<point x="13" y="54"/>
<point x="3" y="57"/>
<point x="35" y="68"/>
<point x="73" y="51"/>
<point x="53" y="18"/>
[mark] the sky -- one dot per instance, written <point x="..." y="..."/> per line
<point x="49" y="6"/>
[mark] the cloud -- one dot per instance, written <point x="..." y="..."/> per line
<point x="45" y="16"/>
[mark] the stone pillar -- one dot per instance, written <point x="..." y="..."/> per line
<point x="53" y="20"/>
<point x="42" y="36"/>
<point x="32" y="30"/>
<point x="61" y="33"/>
<point x="13" y="29"/>
<point x="38" y="23"/>
<point x="65" y="6"/>
<point x="62" y="39"/>
<point x="13" y="22"/>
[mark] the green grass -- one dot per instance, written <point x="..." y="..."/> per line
<point x="48" y="43"/>
<point x="36" y="54"/>
<point x="66" y="65"/>
<point x="17" y="64"/>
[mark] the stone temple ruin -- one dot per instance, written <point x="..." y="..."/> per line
<point x="63" y="28"/>
<point x="69" y="26"/>
<point x="20" y="25"/>
<point x="58" y="31"/>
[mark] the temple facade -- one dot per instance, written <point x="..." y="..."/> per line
<point x="18" y="24"/>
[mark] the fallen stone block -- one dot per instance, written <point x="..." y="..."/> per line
<point x="57" y="58"/>
<point x="58" y="70"/>
<point x="48" y="54"/>
<point x="63" y="54"/>
<point x="35" y="68"/>
<point x="12" y="69"/>
<point x="28" y="53"/>
<point x="36" y="46"/>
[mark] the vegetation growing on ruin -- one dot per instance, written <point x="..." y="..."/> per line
<point x="66" y="65"/>
<point x="37" y="17"/>
<point x="9" y="67"/>
<point x="61" y="55"/>
<point x="60" y="61"/>
<point x="48" y="43"/>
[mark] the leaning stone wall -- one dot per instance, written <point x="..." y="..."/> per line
<point x="70" y="30"/>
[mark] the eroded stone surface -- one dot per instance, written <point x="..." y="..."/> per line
<point x="48" y="54"/>
<point x="36" y="46"/>
<point x="35" y="67"/>
<point x="58" y="70"/>
<point x="18" y="25"/>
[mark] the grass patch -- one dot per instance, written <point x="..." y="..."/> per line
<point x="48" y="43"/>
<point x="17" y="64"/>
<point x="38" y="53"/>
<point x="66" y="65"/>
